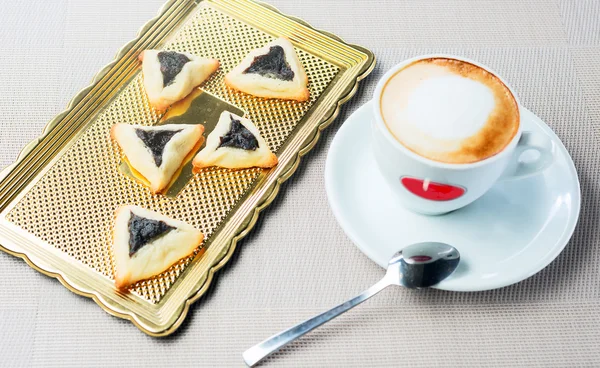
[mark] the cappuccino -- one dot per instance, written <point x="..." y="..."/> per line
<point x="449" y="110"/>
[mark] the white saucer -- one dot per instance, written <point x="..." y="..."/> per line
<point x="509" y="234"/>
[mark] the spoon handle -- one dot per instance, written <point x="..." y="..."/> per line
<point x="262" y="350"/>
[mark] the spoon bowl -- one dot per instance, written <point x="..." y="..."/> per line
<point x="423" y="265"/>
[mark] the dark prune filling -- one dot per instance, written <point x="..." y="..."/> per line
<point x="272" y="65"/>
<point x="239" y="137"/>
<point x="143" y="230"/>
<point x="156" y="141"/>
<point x="171" y="63"/>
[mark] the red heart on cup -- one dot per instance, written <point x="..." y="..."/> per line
<point x="430" y="190"/>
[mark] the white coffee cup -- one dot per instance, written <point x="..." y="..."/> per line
<point x="433" y="187"/>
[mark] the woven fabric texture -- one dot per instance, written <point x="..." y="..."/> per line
<point x="297" y="261"/>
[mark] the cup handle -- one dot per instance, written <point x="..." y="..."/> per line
<point x="519" y="168"/>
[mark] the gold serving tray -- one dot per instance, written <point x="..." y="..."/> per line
<point x="57" y="201"/>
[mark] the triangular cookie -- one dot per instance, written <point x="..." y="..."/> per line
<point x="272" y="71"/>
<point x="235" y="143"/>
<point x="156" y="152"/>
<point x="146" y="243"/>
<point x="169" y="76"/>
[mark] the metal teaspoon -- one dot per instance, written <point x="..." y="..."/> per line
<point x="419" y="265"/>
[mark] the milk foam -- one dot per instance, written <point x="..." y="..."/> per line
<point x="448" y="107"/>
<point x="449" y="111"/>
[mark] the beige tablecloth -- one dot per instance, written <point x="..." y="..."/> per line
<point x="297" y="261"/>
